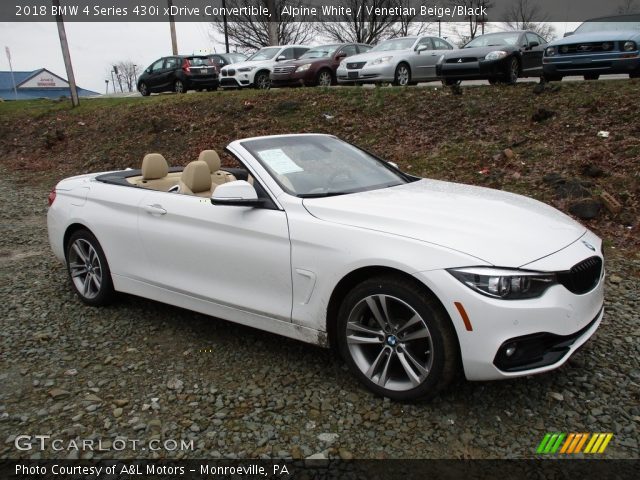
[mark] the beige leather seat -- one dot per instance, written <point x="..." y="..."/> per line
<point x="155" y="173"/>
<point x="218" y="177"/>
<point x="196" y="179"/>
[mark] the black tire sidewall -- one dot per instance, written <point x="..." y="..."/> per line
<point x="320" y="73"/>
<point x="105" y="295"/>
<point x="146" y="89"/>
<point x="508" y="77"/>
<point x="257" y="82"/>
<point x="438" y="323"/>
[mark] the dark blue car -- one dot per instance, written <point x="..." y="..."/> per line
<point x="597" y="47"/>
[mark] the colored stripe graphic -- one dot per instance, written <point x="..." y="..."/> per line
<point x="574" y="442"/>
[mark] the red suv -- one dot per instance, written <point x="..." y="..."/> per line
<point x="316" y="67"/>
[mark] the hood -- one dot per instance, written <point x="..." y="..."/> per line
<point x="304" y="61"/>
<point x="503" y="229"/>
<point x="250" y="63"/>
<point x="606" y="36"/>
<point x="477" y="52"/>
<point x="364" y="57"/>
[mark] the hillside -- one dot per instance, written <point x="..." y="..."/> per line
<point x="544" y="144"/>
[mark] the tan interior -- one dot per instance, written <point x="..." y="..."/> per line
<point x="196" y="179"/>
<point x="155" y="174"/>
<point x="212" y="159"/>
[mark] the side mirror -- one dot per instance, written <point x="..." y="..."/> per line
<point x="280" y="58"/>
<point x="341" y="55"/>
<point x="239" y="193"/>
<point x="568" y="34"/>
<point x="534" y="44"/>
<point x="421" y="48"/>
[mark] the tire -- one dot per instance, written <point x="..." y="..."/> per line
<point x="450" y="82"/>
<point x="512" y="72"/>
<point x="144" y="90"/>
<point x="88" y="269"/>
<point x="386" y="361"/>
<point x="493" y="81"/>
<point x="592" y="76"/>
<point x="324" y="78"/>
<point x="402" y="76"/>
<point x="635" y="74"/>
<point x="179" y="87"/>
<point x="262" y="81"/>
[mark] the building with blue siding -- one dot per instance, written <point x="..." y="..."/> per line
<point x="39" y="83"/>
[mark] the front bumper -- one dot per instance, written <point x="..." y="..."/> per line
<point x="367" y="74"/>
<point x="546" y="331"/>
<point x="237" y="80"/>
<point x="476" y="70"/>
<point x="294" y="79"/>
<point x="597" y="63"/>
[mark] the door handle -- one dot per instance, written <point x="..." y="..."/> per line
<point x="155" y="209"/>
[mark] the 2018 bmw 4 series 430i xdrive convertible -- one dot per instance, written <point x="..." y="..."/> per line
<point x="411" y="279"/>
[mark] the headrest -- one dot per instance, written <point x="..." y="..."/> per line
<point x="154" y="166"/>
<point x="196" y="177"/>
<point x="211" y="158"/>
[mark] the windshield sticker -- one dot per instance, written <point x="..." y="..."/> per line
<point x="279" y="162"/>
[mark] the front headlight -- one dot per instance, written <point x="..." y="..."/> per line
<point x="379" y="61"/>
<point x="550" y="51"/>
<point x="629" y="46"/>
<point x="497" y="55"/>
<point x="246" y="69"/>
<point x="505" y="284"/>
<point x="303" y="68"/>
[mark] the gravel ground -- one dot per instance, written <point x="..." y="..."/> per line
<point x="140" y="370"/>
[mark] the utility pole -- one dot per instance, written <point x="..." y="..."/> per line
<point x="106" y="87"/>
<point x="226" y="27"/>
<point x="13" y="80"/>
<point x="172" y="26"/>
<point x="273" y="23"/>
<point x="75" y="101"/>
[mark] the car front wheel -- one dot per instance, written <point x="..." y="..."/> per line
<point x="88" y="269"/>
<point x="144" y="90"/>
<point x="403" y="75"/>
<point x="397" y="339"/>
<point x="513" y="71"/>
<point x="262" y="81"/>
<point x="324" y="78"/>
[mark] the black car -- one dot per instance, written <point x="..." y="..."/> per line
<point x="497" y="57"/>
<point x="178" y="74"/>
<point x="220" y="60"/>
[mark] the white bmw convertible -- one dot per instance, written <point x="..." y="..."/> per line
<point x="410" y="279"/>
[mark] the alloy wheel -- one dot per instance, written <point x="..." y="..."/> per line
<point x="402" y="75"/>
<point x="263" y="82"/>
<point x="324" y="79"/>
<point x="143" y="89"/>
<point x="389" y="342"/>
<point x="514" y="70"/>
<point x="179" y="87"/>
<point x="85" y="268"/>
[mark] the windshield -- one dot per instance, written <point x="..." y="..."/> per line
<point x="320" y="52"/>
<point x="395" y="44"/>
<point x="602" y="25"/>
<point x="264" y="54"/>
<point x="199" y="61"/>
<point x="319" y="166"/>
<point x="233" y="57"/>
<point x="494" y="40"/>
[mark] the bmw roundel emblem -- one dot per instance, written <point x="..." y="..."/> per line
<point x="588" y="245"/>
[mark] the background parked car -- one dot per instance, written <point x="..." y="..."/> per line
<point x="497" y="57"/>
<point x="599" y="46"/>
<point x="255" y="71"/>
<point x="178" y="74"/>
<point x="315" y="67"/>
<point x="220" y="60"/>
<point x="401" y="61"/>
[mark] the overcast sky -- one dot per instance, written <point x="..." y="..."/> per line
<point x="96" y="46"/>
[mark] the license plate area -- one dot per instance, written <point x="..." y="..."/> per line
<point x="353" y="74"/>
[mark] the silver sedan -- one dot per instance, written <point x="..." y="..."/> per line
<point x="401" y="61"/>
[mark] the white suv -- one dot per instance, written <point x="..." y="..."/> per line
<point x="255" y="71"/>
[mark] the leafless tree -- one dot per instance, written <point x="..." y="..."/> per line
<point x="527" y="15"/>
<point x="473" y="22"/>
<point x="253" y="33"/>
<point x="360" y="25"/>
<point x="629" y="6"/>
<point x="408" y="24"/>
<point x="125" y="74"/>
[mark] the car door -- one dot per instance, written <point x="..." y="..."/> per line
<point x="153" y="79"/>
<point x="423" y="62"/>
<point x="532" y="51"/>
<point x="171" y="64"/>
<point x="233" y="256"/>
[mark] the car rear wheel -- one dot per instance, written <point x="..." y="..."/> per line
<point x="397" y="340"/>
<point x="324" y="78"/>
<point x="262" y="81"/>
<point x="88" y="269"/>
<point x="403" y="75"/>
<point x="179" y="87"/>
<point x="144" y="90"/>
<point x="592" y="76"/>
<point x="513" y="71"/>
<point x="450" y="82"/>
<point x="552" y="78"/>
